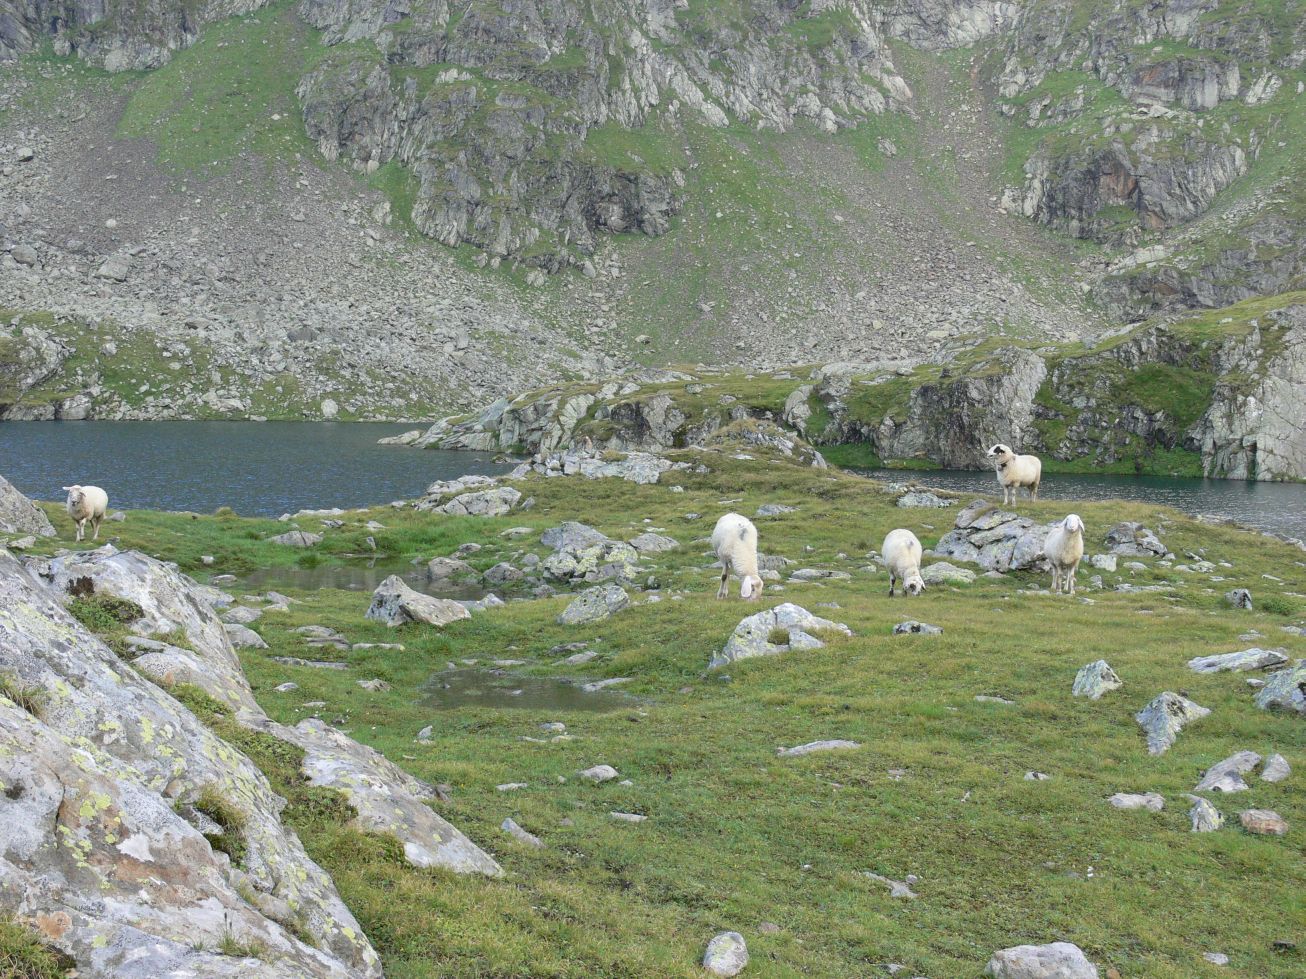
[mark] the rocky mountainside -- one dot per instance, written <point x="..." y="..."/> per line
<point x="349" y="208"/>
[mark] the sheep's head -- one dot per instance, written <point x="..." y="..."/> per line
<point x="74" y="495"/>
<point x="914" y="584"/>
<point x="1001" y="452"/>
<point x="1073" y="524"/>
<point x="750" y="587"/>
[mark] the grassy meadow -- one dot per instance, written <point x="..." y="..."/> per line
<point x="738" y="838"/>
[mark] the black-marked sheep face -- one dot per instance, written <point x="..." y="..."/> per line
<point x="999" y="451"/>
<point x="914" y="586"/>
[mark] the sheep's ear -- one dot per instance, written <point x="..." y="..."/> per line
<point x="746" y="587"/>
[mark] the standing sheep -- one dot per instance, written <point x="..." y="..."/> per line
<point x="1016" y="472"/>
<point x="1064" y="549"/>
<point x="902" y="556"/>
<point x="87" y="503"/>
<point x="734" y="539"/>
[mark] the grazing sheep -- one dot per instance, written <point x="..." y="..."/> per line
<point x="1064" y="549"/>
<point x="734" y="539"/>
<point x="902" y="556"/>
<point x="1016" y="472"/>
<point x="87" y="503"/>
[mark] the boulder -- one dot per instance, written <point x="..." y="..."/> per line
<point x="913" y="628"/>
<point x="1151" y="801"/>
<point x="1263" y="822"/>
<point x="395" y="604"/>
<point x="1285" y="690"/>
<point x="242" y="615"/>
<point x="922" y="499"/>
<point x="510" y="827"/>
<point x="1060" y="960"/>
<point x="243" y="637"/>
<point x="296" y="538"/>
<point x="653" y="543"/>
<point x="1239" y="598"/>
<point x="605" y="561"/>
<point x="1095" y="679"/>
<point x="571" y="536"/>
<point x="600" y="773"/>
<point x="1204" y="816"/>
<point x="726" y="954"/>
<point x="1248" y="659"/>
<point x="1134" y="540"/>
<point x="995" y="539"/>
<point x="1163" y="719"/>
<point x="495" y="502"/>
<point x="1227" y="776"/>
<point x="1103" y="562"/>
<point x="943" y="573"/>
<point x="594" y="605"/>
<point x="1276" y="769"/>
<point x="775" y="509"/>
<point x="754" y="635"/>
<point x="444" y="568"/>
<point x="19" y="515"/>
<point x="814" y="746"/>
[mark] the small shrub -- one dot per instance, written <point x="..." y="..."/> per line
<point x="24" y="956"/>
<point x="30" y="699"/>
<point x="231" y="945"/>
<point x="778" y="637"/>
<point x="1278" y="605"/>
<point x="225" y="512"/>
<point x="231" y="840"/>
<point x="309" y="560"/>
<point x="100" y="612"/>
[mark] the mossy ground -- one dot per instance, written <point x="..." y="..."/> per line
<point x="737" y="837"/>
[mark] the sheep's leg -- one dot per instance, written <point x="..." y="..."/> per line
<point x="1056" y="580"/>
<point x="891" y="583"/>
<point x="95" y="522"/>
<point x="1073" y="569"/>
<point x="81" y="527"/>
<point x="725" y="584"/>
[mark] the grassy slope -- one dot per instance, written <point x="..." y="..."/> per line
<point x="735" y="836"/>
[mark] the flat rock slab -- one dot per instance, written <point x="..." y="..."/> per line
<point x="814" y="746"/>
<point x="1263" y="822"/>
<point x="1248" y="659"/>
<point x="943" y="573"/>
<point x="628" y="817"/>
<point x="1285" y="690"/>
<point x="754" y="635"/>
<point x="594" y="605"/>
<point x="1059" y="960"/>
<point x="1163" y="719"/>
<point x="653" y="543"/>
<point x="726" y="955"/>
<point x="913" y="628"/>
<point x="510" y="827"/>
<point x="1151" y="801"/>
<point x="1095" y="679"/>
<point x="296" y="538"/>
<point x="1227" y="775"/>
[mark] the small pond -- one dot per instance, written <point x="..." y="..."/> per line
<point x="361" y="575"/>
<point x="484" y="688"/>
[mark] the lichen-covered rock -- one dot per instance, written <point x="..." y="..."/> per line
<point x="594" y="605"/>
<point x="1163" y="719"/>
<point x="1239" y="598"/>
<point x="995" y="539"/>
<point x="726" y="955"/>
<point x="19" y="515"/>
<point x="1227" y="775"/>
<point x="1285" y="690"/>
<point x="604" y="560"/>
<point x="1095" y="679"/>
<point x="1134" y="540"/>
<point x="653" y="543"/>
<point x="296" y="538"/>
<point x="1059" y="960"/>
<point x="1263" y="822"/>
<point x="754" y="635"/>
<point x="99" y="847"/>
<point x="1204" y="817"/>
<point x="395" y="604"/>
<point x="943" y="573"/>
<point x="495" y="502"/>
<point x="1248" y="659"/>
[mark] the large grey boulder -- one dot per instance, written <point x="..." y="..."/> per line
<point x="1134" y="540"/>
<point x="943" y="573"/>
<point x="653" y="543"/>
<point x="995" y="539"/>
<point x="486" y="503"/>
<point x="102" y="833"/>
<point x="296" y="538"/>
<point x="1095" y="679"/>
<point x="1204" y="817"/>
<point x="753" y="636"/>
<point x="19" y="515"/>
<point x="1248" y="659"/>
<point x="444" y="568"/>
<point x="1285" y="690"/>
<point x="1059" y="960"/>
<point x="1163" y="719"/>
<point x="395" y="604"/>
<point x="572" y="535"/>
<point x="1227" y="775"/>
<point x="594" y="605"/>
<point x="605" y="561"/>
<point x="726" y="955"/>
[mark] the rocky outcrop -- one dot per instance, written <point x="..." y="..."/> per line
<point x="19" y="515"/>
<point x="995" y="539"/>
<point x="774" y="631"/>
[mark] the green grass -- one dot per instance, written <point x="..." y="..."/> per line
<point x="23" y="955"/>
<point x="736" y="836"/>
<point x="29" y="698"/>
<point x="231" y="839"/>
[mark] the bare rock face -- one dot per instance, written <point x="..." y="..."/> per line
<point x="96" y="757"/>
<point x="995" y="539"/>
<point x="19" y="515"/>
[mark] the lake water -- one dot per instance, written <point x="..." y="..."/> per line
<point x="1275" y="507"/>
<point x="485" y="688"/>
<point x="256" y="468"/>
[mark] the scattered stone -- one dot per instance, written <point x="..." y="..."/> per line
<point x="775" y="509"/>
<point x="1227" y="775"/>
<point x="243" y="637"/>
<point x="943" y="573"/>
<point x="922" y="499"/>
<point x="897" y="888"/>
<point x="1134" y="540"/>
<point x="1103" y="562"/>
<point x="597" y="685"/>
<point x="1285" y="689"/>
<point x="375" y="685"/>
<point x="1205" y="817"/>
<point x="296" y="538"/>
<point x="1263" y="822"/>
<point x="594" y="605"/>
<point x="753" y="636"/>
<point x="819" y="574"/>
<point x="322" y="664"/>
<point x="726" y="954"/>
<point x="444" y="568"/>
<point x="628" y="817"/>
<point x="913" y="628"/>
<point x="495" y="502"/>
<point x="1095" y="679"/>
<point x="286" y="687"/>
<point x="986" y="699"/>
<point x="510" y="786"/>
<point x="1059" y="960"/>
<point x="653" y="543"/>
<point x="1239" y="598"/>
<point x="1151" y="801"/>
<point x="1276" y="769"/>
<point x="395" y="604"/>
<point x="1163" y="719"/>
<point x="242" y="615"/>
<point x="600" y="773"/>
<point x="1249" y="659"/>
<point x="1216" y="958"/>
<point x="1037" y="777"/>
<point x="814" y="746"/>
<point x="510" y="827"/>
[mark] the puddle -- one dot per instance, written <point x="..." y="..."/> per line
<point x="481" y="688"/>
<point x="359" y="577"/>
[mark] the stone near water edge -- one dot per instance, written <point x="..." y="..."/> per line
<point x="753" y="635"/>
<point x="1239" y="598"/>
<point x="395" y="604"/>
<point x="814" y="746"/>
<point x="1095" y="679"/>
<point x="1164" y="717"/>
<point x="495" y="502"/>
<point x="19" y="515"/>
<point x="296" y="538"/>
<point x="726" y="955"/>
<point x="241" y="615"/>
<point x="913" y="628"/>
<point x="1276" y="769"/>
<point x="594" y="605"/>
<point x="444" y="568"/>
<point x="1059" y="960"/>
<point x="1285" y="689"/>
<point x="1263" y="822"/>
<point x="943" y="573"/>
<point x="596" y="685"/>
<point x="1227" y="775"/>
<point x="1151" y="801"/>
<point x="1204" y="816"/>
<point x="1247" y="659"/>
<point x="922" y="499"/>
<point x="600" y="773"/>
<point x="510" y="827"/>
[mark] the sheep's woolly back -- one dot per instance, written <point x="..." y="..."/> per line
<point x="1016" y="470"/>
<point x="734" y="539"/>
<point x="902" y="553"/>
<point x="87" y="502"/>
<point x="1064" y="547"/>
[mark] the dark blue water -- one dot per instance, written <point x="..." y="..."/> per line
<point x="1275" y="507"/>
<point x="256" y="468"/>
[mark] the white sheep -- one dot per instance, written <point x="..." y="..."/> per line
<point x="734" y="539"/>
<point x="1064" y="549"/>
<point x="87" y="503"/>
<point x="1016" y="472"/>
<point x="901" y="554"/>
